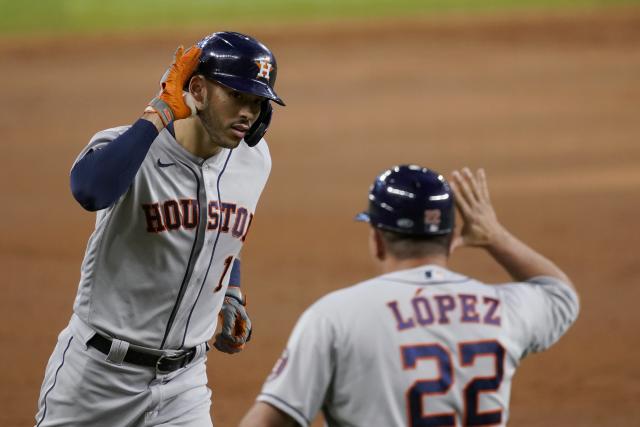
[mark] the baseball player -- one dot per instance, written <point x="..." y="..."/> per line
<point x="175" y="194"/>
<point x="420" y="345"/>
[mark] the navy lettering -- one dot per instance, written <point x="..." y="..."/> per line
<point x="214" y="216"/>
<point x="248" y="227"/>
<point x="422" y="310"/>
<point x="238" y="226"/>
<point x="468" y="308"/>
<point x="154" y="218"/>
<point x="445" y="303"/>
<point x="427" y="310"/>
<point x="491" y="317"/>
<point x="189" y="213"/>
<point x="172" y="215"/>
<point x="226" y="209"/>
<point x="402" y="323"/>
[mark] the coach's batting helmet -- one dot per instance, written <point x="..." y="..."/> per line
<point x="411" y="200"/>
<point x="239" y="62"/>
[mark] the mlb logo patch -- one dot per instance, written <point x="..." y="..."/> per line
<point x="264" y="69"/>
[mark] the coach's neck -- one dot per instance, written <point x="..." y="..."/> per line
<point x="389" y="262"/>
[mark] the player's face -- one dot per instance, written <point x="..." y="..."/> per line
<point x="228" y="114"/>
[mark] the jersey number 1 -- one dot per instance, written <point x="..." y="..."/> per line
<point x="227" y="264"/>
<point x="468" y="352"/>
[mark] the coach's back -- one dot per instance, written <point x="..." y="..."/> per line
<point x="418" y="346"/>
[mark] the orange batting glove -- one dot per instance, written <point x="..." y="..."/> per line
<point x="170" y="103"/>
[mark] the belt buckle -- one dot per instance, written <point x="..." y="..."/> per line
<point x="176" y="358"/>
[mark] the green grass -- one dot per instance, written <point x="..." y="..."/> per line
<point x="82" y="16"/>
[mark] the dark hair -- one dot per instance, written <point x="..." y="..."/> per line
<point x="406" y="246"/>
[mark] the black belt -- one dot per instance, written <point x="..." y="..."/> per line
<point x="163" y="364"/>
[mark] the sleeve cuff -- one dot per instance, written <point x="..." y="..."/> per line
<point x="280" y="404"/>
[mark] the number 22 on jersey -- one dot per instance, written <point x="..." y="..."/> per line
<point x="423" y="388"/>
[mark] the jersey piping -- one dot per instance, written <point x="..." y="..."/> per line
<point x="190" y="265"/>
<point x="295" y="410"/>
<point x="213" y="251"/>
<point x="430" y="282"/>
<point x="55" y="379"/>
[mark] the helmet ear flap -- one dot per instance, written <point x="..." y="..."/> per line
<point x="259" y="128"/>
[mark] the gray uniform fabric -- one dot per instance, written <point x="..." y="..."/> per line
<point x="154" y="276"/>
<point x="418" y="343"/>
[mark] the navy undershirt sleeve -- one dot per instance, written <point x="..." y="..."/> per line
<point x="105" y="174"/>
<point x="234" y="277"/>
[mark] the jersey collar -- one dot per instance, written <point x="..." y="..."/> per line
<point x="425" y="275"/>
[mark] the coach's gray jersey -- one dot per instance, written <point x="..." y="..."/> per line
<point x="157" y="265"/>
<point x="416" y="347"/>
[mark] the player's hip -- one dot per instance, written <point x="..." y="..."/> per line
<point x="83" y="387"/>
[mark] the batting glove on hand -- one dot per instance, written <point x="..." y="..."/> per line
<point x="172" y="103"/>
<point x="236" y="325"/>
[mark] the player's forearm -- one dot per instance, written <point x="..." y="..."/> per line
<point x="520" y="260"/>
<point x="102" y="176"/>
<point x="265" y="415"/>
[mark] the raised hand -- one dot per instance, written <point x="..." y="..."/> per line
<point x="171" y="103"/>
<point x="480" y="223"/>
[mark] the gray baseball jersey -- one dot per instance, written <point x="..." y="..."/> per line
<point x="154" y="275"/>
<point x="419" y="347"/>
<point x="157" y="265"/>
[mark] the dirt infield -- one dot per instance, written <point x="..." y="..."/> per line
<point x="549" y="105"/>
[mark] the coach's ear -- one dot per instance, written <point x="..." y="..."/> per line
<point x="376" y="244"/>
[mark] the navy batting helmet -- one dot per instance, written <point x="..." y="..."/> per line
<point x="243" y="64"/>
<point x="412" y="200"/>
<point x="239" y="62"/>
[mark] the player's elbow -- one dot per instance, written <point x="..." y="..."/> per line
<point x="87" y="203"/>
<point x="566" y="305"/>
<point x="81" y="190"/>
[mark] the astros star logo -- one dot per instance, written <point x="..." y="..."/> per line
<point x="433" y="218"/>
<point x="264" y="69"/>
